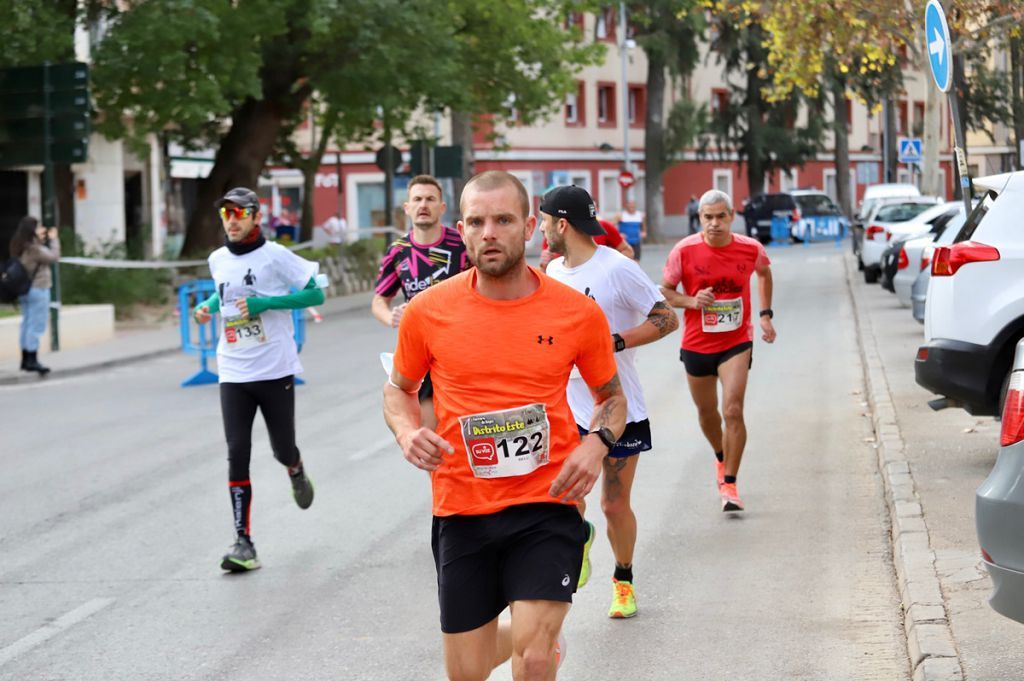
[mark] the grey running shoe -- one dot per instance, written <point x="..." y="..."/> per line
<point x="302" y="489"/>
<point x="241" y="557"/>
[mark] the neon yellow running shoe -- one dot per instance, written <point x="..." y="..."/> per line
<point x="623" y="600"/>
<point x="585" y="570"/>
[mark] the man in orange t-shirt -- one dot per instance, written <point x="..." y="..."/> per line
<point x="506" y="461"/>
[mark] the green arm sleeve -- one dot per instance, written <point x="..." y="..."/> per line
<point x="307" y="297"/>
<point x="213" y="302"/>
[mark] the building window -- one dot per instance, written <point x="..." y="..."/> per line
<point x="604" y="24"/>
<point x="637" y="105"/>
<point x="719" y="101"/>
<point x="575" y="114"/>
<point x="574" y="20"/>
<point x="917" y="126"/>
<point x="510" y="108"/>
<point x="606" y="105"/>
<point x="901" y="118"/>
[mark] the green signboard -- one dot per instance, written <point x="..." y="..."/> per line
<point x="44" y="107"/>
<point x="62" y="77"/>
<point x="28" y="153"/>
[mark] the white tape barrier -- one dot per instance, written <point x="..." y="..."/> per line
<point x="149" y="264"/>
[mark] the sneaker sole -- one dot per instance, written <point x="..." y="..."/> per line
<point x="621" y="615"/>
<point x="234" y="565"/>
<point x="309" y="503"/>
<point x="731" y="507"/>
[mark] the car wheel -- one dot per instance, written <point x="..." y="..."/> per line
<point x="870" y="275"/>
<point x="860" y="263"/>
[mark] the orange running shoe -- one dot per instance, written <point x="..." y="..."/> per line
<point x="720" y="471"/>
<point x="730" y="497"/>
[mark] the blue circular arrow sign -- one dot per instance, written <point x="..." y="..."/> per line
<point x="940" y="49"/>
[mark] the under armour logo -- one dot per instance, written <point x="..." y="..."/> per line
<point x="541" y="339"/>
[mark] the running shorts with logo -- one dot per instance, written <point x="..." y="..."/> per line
<point x="626" y="295"/>
<point x="700" y="364"/>
<point x="413" y="267"/>
<point x="725" y="324"/>
<point x="500" y="368"/>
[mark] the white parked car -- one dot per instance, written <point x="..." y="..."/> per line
<point x="975" y="311"/>
<point x="919" y="291"/>
<point x="903" y="217"/>
<point x="872" y="196"/>
<point x="912" y="257"/>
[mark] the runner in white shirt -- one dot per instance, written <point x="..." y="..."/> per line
<point x="256" y="355"/>
<point x="637" y="314"/>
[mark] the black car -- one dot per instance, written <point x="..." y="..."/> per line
<point x="760" y="209"/>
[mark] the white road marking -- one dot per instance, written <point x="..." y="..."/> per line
<point x="376" y="447"/>
<point x="48" y="631"/>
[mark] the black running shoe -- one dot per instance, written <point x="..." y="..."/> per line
<point x="302" y="489"/>
<point x="241" y="557"/>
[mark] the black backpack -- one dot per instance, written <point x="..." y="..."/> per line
<point x="14" y="280"/>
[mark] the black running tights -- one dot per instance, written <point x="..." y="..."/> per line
<point x="238" y="403"/>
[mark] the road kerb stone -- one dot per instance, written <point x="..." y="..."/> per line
<point x="930" y="645"/>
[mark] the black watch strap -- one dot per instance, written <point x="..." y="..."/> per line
<point x="606" y="437"/>
<point x="620" y="342"/>
<point x="767" y="312"/>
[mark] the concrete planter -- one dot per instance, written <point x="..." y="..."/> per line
<point x="79" y="325"/>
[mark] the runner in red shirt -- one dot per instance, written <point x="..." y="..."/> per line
<point x="714" y="268"/>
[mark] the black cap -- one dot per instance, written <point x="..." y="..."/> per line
<point x="240" y="196"/>
<point x="575" y="205"/>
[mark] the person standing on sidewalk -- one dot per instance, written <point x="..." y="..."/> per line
<point x="428" y="254"/>
<point x="633" y="225"/>
<point x="37" y="247"/>
<point x="714" y="269"/>
<point x="637" y="314"/>
<point x="506" y="462"/>
<point x="256" y="355"/>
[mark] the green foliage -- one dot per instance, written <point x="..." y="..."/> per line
<point x="687" y="125"/>
<point x="35" y="31"/>
<point x="123" y="288"/>
<point x="986" y="95"/>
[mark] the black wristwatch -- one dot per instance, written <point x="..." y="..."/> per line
<point x="620" y="342"/>
<point x="606" y="437"/>
<point x="767" y="312"/>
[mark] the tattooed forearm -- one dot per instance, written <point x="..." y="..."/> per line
<point x="663" y="318"/>
<point x="609" y="407"/>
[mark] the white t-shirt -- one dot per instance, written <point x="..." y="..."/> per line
<point x="263" y="348"/>
<point x="626" y="295"/>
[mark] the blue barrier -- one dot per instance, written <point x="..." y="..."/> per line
<point x="808" y="230"/>
<point x="204" y="343"/>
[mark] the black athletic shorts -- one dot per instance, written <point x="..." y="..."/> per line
<point x="485" y="562"/>
<point x="426" y="389"/>
<point x="700" y="364"/>
<point x="635" y="438"/>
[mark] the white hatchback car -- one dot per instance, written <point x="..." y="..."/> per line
<point x="913" y="258"/>
<point x="904" y="217"/>
<point x="975" y="311"/>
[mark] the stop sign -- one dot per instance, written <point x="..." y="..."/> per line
<point x="626" y="179"/>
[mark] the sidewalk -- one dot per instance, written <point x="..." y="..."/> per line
<point x="136" y="345"/>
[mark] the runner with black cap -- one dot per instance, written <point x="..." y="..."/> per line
<point x="637" y="314"/>
<point x="256" y="355"/>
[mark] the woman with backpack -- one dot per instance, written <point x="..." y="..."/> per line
<point x="37" y="247"/>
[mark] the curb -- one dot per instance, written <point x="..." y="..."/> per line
<point x="930" y="646"/>
<point x="341" y="305"/>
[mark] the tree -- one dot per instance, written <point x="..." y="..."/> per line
<point x="764" y="132"/>
<point x="182" y="68"/>
<point x="668" y="31"/>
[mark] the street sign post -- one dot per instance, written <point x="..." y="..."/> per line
<point x="940" y="58"/>
<point x="44" y="119"/>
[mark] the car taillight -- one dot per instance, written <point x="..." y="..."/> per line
<point x="987" y="557"/>
<point x="925" y="261"/>
<point x="795" y="216"/>
<point x="1013" y="411"/>
<point x="888" y="236"/>
<point x="948" y="259"/>
<point x="871" y="231"/>
<point x="922" y="353"/>
<point x="904" y="261"/>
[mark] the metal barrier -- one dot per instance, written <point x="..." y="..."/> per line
<point x="204" y="343"/>
<point x="810" y="229"/>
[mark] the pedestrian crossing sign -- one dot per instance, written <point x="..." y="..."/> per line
<point x="910" y="150"/>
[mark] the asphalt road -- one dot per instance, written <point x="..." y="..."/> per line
<point x="114" y="514"/>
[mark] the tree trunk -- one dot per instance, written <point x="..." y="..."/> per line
<point x="756" y="163"/>
<point x="462" y="134"/>
<point x="243" y="152"/>
<point x="1016" y="96"/>
<point x="308" y="187"/>
<point x="842" y="146"/>
<point x="889" y="143"/>
<point x="654" y="141"/>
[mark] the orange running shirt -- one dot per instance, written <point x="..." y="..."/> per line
<point x="486" y="355"/>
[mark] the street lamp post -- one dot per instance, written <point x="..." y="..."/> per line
<point x="624" y="53"/>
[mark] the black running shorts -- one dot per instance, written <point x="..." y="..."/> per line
<point x="635" y="438"/>
<point x="699" y="364"/>
<point x="485" y="562"/>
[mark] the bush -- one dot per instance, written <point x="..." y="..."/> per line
<point x="123" y="288"/>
